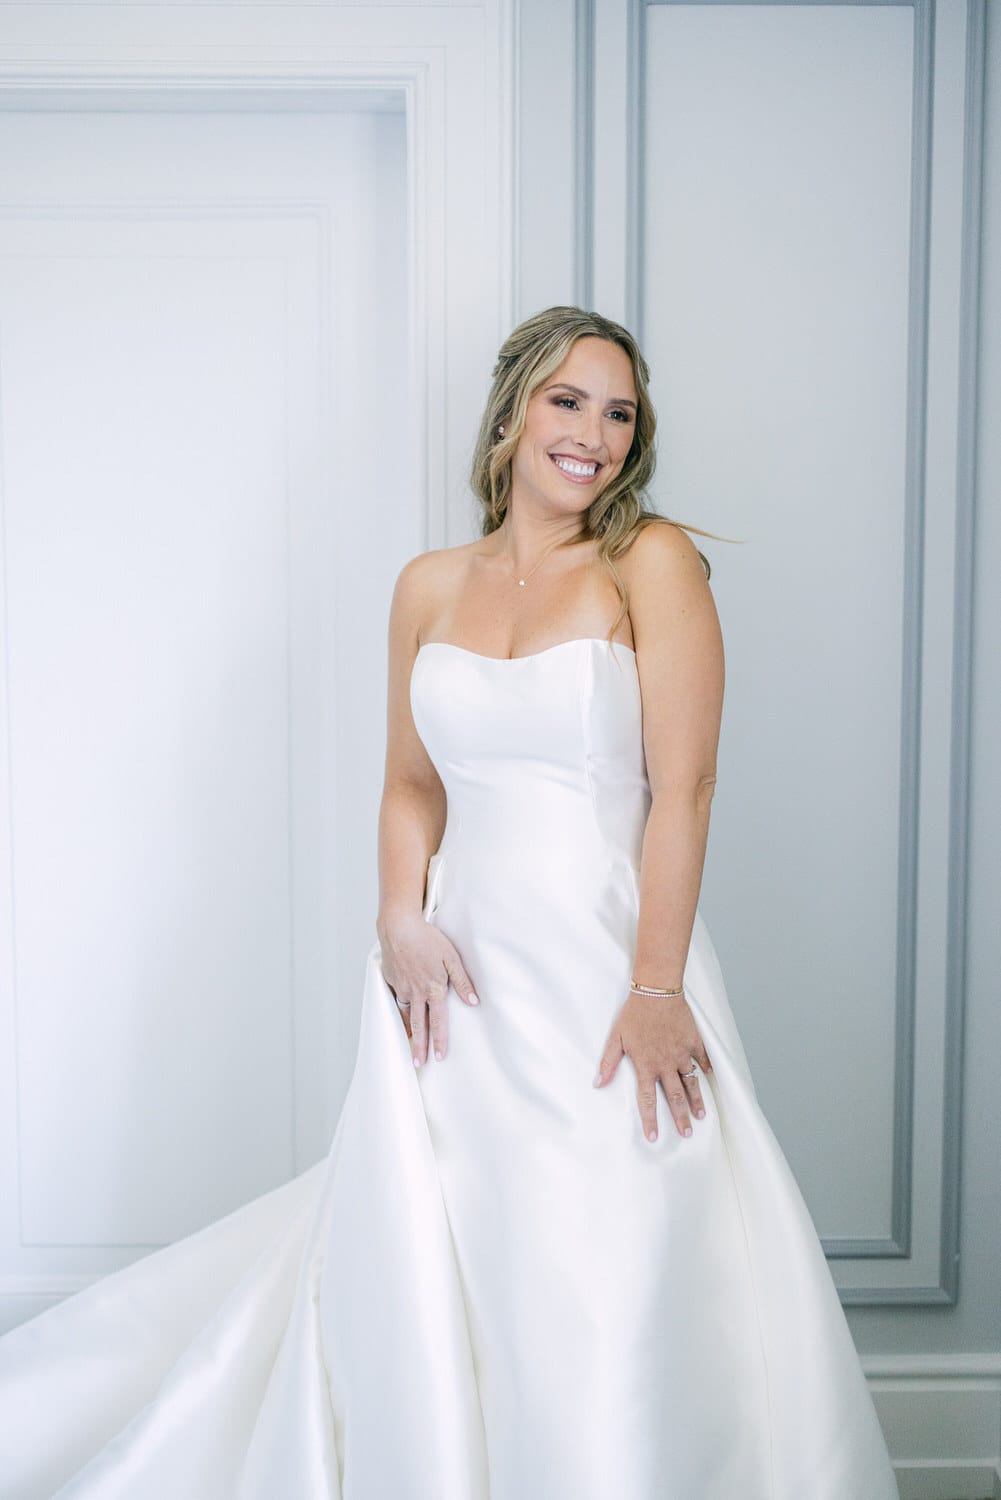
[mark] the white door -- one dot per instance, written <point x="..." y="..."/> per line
<point x="205" y="443"/>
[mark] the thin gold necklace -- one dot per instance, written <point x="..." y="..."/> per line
<point x="550" y="548"/>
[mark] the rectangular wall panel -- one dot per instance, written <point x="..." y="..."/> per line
<point x="145" y="436"/>
<point x="777" y="212"/>
<point x="792" y="258"/>
<point x="189" y="408"/>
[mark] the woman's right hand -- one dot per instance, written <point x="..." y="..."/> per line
<point x="418" y="964"/>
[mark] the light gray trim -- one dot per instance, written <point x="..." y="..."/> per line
<point x="889" y="1248"/>
<point x="913" y="612"/>
<point x="898" y="1244"/>
<point x="511" y="88"/>
<point x="635" y="164"/>
<point x="583" y="158"/>
<point x="781" y="2"/>
<point x="962" y="641"/>
<point x="892" y="1296"/>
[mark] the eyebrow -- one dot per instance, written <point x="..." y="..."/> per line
<point x="575" y="390"/>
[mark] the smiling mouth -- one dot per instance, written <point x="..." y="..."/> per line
<point x="574" y="469"/>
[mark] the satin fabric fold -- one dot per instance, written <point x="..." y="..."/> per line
<point x="493" y="1287"/>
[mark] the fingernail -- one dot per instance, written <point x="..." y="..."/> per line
<point x="699" y="1113"/>
<point x="439" y="1054"/>
<point x="473" y="999"/>
<point x="652" y="1135"/>
<point x="688" y="1130"/>
<point x="597" y="1078"/>
<point x="417" y="1061"/>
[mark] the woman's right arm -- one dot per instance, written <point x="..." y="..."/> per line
<point x="413" y="808"/>
<point x="418" y="960"/>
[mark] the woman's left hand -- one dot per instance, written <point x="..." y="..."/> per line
<point x="663" y="1041"/>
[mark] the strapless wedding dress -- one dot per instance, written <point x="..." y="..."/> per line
<point x="494" y="1287"/>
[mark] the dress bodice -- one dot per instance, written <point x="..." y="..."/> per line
<point x="541" y="755"/>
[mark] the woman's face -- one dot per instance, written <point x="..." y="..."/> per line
<point x="579" y="428"/>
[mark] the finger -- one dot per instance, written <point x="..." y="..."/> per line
<point x="419" y="1030"/>
<point x="677" y="1101"/>
<point x="461" y="982"/>
<point x="694" y="1095"/>
<point x="646" y="1097"/>
<point x="403" y="1011"/>
<point x="438" y="1013"/>
<point x="610" y="1059"/>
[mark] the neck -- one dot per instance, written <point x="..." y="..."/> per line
<point x="522" y="540"/>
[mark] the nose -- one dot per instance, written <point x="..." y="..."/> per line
<point x="589" y="431"/>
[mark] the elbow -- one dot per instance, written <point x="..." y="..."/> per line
<point x="705" y="786"/>
<point x="696" y="790"/>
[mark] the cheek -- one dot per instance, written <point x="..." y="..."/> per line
<point x="622" y="447"/>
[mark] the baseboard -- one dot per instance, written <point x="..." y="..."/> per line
<point x="923" y="1481"/>
<point x="941" y="1416"/>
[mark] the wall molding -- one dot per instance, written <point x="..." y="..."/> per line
<point x="962" y="645"/>
<point x="583" y="160"/>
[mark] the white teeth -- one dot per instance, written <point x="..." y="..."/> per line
<point x="585" y="471"/>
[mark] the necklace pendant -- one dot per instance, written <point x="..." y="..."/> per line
<point x="521" y="583"/>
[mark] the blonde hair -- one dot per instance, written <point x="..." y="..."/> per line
<point x="534" y="351"/>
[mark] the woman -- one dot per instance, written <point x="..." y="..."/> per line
<point x="522" y="1273"/>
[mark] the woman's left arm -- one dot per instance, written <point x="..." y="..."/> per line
<point x="679" y="653"/>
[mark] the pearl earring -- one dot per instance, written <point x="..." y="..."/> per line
<point x="501" y="429"/>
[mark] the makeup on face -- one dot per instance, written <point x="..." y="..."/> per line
<point x="580" y="423"/>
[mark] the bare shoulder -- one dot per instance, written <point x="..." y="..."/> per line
<point x="671" y="606"/>
<point x="680" y="659"/>
<point x="429" y="571"/>
<point x="661" y="553"/>
<point x="421" y="585"/>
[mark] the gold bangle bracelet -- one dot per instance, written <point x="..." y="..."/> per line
<point x="646" y="989"/>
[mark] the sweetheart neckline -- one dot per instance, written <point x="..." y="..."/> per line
<point x="579" y="640"/>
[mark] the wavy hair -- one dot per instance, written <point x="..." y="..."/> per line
<point x="528" y="357"/>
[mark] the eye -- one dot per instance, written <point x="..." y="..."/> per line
<point x="565" y="401"/>
<point x="623" y="416"/>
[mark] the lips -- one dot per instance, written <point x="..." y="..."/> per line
<point x="580" y="472"/>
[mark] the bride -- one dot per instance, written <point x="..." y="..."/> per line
<point x="555" y="1251"/>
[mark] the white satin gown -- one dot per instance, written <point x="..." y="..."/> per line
<point x="494" y="1287"/>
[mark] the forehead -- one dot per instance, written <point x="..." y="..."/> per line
<point x="597" y="365"/>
